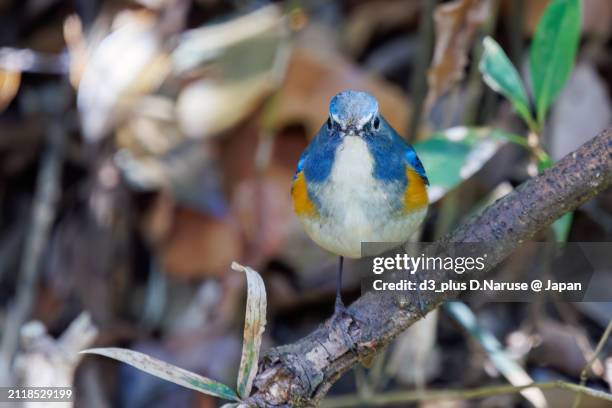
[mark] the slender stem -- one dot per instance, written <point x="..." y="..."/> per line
<point x="27" y="60"/>
<point x="339" y="303"/>
<point x="418" y="84"/>
<point x="43" y="210"/>
<point x="585" y="371"/>
<point x="474" y="83"/>
<point x="411" y="396"/>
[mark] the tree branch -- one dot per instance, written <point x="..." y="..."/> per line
<point x="300" y="374"/>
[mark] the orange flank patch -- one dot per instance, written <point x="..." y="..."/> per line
<point x="415" y="196"/>
<point x="302" y="204"/>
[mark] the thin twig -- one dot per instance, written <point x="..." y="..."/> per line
<point x="43" y="214"/>
<point x="418" y="84"/>
<point x="475" y="85"/>
<point x="411" y="396"/>
<point x="514" y="373"/>
<point x="585" y="371"/>
<point x="26" y="60"/>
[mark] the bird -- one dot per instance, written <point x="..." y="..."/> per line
<point x="358" y="181"/>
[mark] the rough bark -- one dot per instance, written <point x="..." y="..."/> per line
<point x="300" y="374"/>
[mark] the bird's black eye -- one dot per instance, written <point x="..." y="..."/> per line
<point x="329" y="124"/>
<point x="376" y="123"/>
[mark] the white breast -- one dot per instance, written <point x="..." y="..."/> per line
<point x="356" y="207"/>
<point x="351" y="180"/>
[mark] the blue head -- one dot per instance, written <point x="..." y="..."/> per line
<point x="353" y="112"/>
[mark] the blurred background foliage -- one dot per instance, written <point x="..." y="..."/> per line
<point x="147" y="144"/>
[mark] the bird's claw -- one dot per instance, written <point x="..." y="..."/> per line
<point x="341" y="321"/>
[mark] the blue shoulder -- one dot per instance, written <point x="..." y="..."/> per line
<point x="317" y="160"/>
<point x="415" y="162"/>
<point x="300" y="165"/>
<point x="410" y="154"/>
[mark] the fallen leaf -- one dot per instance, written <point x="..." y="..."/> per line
<point x="244" y="58"/>
<point x="255" y="36"/>
<point x="137" y="45"/>
<point x="456" y="24"/>
<point x="207" y="107"/>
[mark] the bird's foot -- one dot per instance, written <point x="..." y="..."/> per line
<point x="339" y="308"/>
<point x="341" y="322"/>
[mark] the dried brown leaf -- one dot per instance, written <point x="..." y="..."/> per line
<point x="456" y="23"/>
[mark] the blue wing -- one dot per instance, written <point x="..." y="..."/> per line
<point x="300" y="165"/>
<point x="416" y="164"/>
<point x="318" y="158"/>
<point x="409" y="153"/>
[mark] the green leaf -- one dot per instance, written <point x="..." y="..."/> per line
<point x="553" y="51"/>
<point x="454" y="155"/>
<point x="254" y="325"/>
<point x="167" y="372"/>
<point x="499" y="73"/>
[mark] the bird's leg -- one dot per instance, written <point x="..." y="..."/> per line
<point x="339" y="307"/>
<point x="337" y="321"/>
<point x="420" y="303"/>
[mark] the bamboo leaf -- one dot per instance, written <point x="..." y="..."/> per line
<point x="254" y="325"/>
<point x="553" y="51"/>
<point x="167" y="372"/>
<point x="499" y="73"/>
<point x="509" y="368"/>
